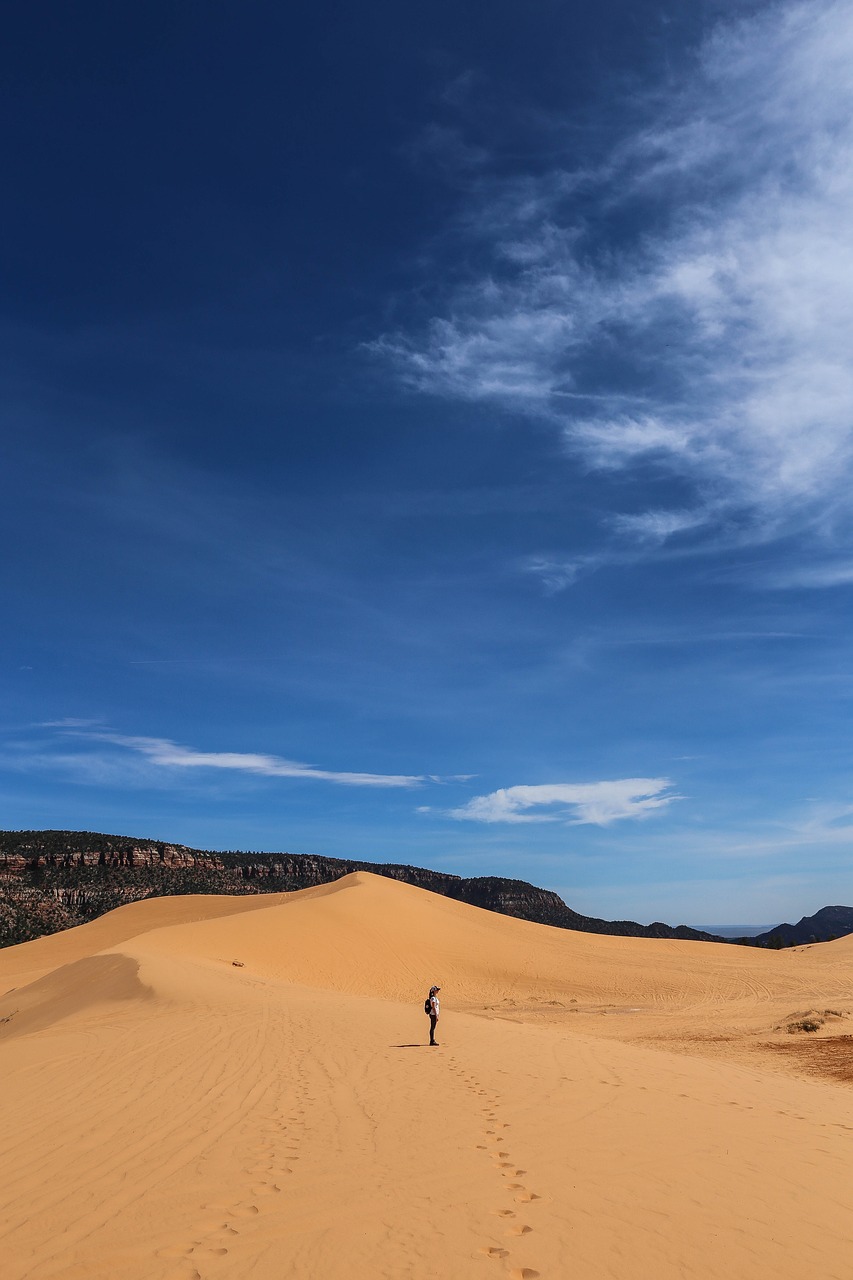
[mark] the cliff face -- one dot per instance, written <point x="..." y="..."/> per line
<point x="18" y="856"/>
<point x="17" y="864"/>
<point x="51" y="880"/>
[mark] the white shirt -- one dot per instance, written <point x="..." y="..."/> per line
<point x="434" y="1002"/>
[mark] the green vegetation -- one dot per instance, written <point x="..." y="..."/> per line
<point x="810" y="1020"/>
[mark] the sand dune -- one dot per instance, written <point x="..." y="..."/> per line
<point x="32" y="960"/>
<point x="207" y="1087"/>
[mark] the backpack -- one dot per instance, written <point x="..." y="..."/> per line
<point x="428" y="1005"/>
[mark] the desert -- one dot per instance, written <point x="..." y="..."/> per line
<point x="427" y="441"/>
<point x="212" y="1087"/>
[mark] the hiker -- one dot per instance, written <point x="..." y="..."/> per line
<point x="432" y="1008"/>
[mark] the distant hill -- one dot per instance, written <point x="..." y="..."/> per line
<point x="823" y="926"/>
<point x="53" y="880"/>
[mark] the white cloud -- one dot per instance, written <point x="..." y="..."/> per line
<point x="830" y="574"/>
<point x="556" y="574"/>
<point x="578" y="803"/>
<point x="71" y="722"/>
<point x="170" y="755"/>
<point x="655" y="527"/>
<point x="729" y="314"/>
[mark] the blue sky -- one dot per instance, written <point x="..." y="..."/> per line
<point x="427" y="438"/>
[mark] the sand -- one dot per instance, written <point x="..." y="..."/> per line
<point x="240" y="1087"/>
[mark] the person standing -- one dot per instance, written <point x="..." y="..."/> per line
<point x="433" y="1009"/>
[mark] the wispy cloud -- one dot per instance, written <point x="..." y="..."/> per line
<point x="555" y="574"/>
<point x="71" y="722"/>
<point x="171" y="755"/>
<point x="578" y="803"/>
<point x="446" y="149"/>
<point x="818" y="824"/>
<point x="726" y="323"/>
<point x="656" y="527"/>
<point x="833" y="573"/>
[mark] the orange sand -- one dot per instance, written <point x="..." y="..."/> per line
<point x="599" y="1107"/>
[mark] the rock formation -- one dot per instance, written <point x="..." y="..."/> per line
<point x="51" y="880"/>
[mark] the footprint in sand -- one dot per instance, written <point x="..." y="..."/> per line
<point x="506" y="1168"/>
<point x="265" y="1166"/>
<point x="174" y="1251"/>
<point x="219" y="1227"/>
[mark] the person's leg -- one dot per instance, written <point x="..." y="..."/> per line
<point x="432" y="1021"/>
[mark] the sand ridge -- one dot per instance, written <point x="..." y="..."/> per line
<point x="31" y="960"/>
<point x="173" y="1114"/>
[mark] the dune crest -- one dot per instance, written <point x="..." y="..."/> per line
<point x="86" y="984"/>
<point x="203" y="1088"/>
